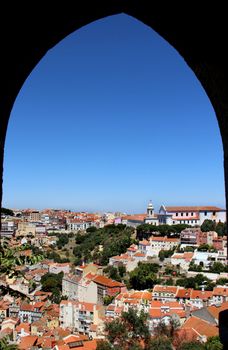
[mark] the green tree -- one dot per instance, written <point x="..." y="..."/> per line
<point x="63" y="239"/>
<point x="122" y="270"/>
<point x="213" y="343"/>
<point x="208" y="225"/>
<point x="161" y="255"/>
<point x="217" y="267"/>
<point x="144" y="276"/>
<point x="7" y="211"/>
<point x="12" y="257"/>
<point x="203" y="247"/>
<point x="91" y="229"/>
<point x="4" y="345"/>
<point x="193" y="345"/>
<point x="127" y="332"/>
<point x="221" y="228"/>
<point x="104" y="345"/>
<point x="159" y="343"/>
<point x="52" y="282"/>
<point x="108" y="300"/>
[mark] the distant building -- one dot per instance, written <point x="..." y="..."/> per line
<point x="151" y="217"/>
<point x="194" y="215"/>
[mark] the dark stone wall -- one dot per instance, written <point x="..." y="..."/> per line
<point x="30" y="28"/>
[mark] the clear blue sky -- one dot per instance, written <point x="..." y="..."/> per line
<point x="110" y="118"/>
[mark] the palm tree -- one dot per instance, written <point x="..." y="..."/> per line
<point x="5" y="346"/>
<point x="11" y="257"/>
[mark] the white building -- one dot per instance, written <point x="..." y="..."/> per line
<point x="194" y="215"/>
<point x="77" y="315"/>
<point x="151" y="217"/>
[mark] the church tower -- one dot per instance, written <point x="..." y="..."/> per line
<point x="150" y="209"/>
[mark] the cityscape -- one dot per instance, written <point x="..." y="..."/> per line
<point x="106" y="110"/>
<point x="67" y="278"/>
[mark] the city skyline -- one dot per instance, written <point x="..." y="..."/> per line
<point x="137" y="125"/>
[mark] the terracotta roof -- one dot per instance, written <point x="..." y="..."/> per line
<point x="201" y="327"/>
<point x="144" y="242"/>
<point x="193" y="208"/>
<point x="139" y="255"/>
<point x="198" y="294"/>
<point x="165" y="289"/>
<point x="220" y="291"/>
<point x="107" y="282"/>
<point x="23" y="325"/>
<point x="163" y="239"/>
<point x="184" y="293"/>
<point x="73" y="338"/>
<point x="215" y="310"/>
<point x="183" y="335"/>
<point x="88" y="345"/>
<point x="27" y="342"/>
<point x="141" y="295"/>
<point x="86" y="306"/>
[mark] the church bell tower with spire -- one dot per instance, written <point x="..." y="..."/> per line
<point x="150" y="209"/>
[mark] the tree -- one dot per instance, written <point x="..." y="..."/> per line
<point x="144" y="276"/>
<point x="5" y="346"/>
<point x="104" y="345"/>
<point x="122" y="270"/>
<point x="208" y="225"/>
<point x="62" y="240"/>
<point x="193" y="345"/>
<point x="12" y="257"/>
<point x="91" y="229"/>
<point x="108" y="300"/>
<point x="52" y="282"/>
<point x="159" y="343"/>
<point x="7" y="211"/>
<point x="127" y="332"/>
<point x="161" y="255"/>
<point x="221" y="228"/>
<point x="217" y="267"/>
<point x="213" y="343"/>
<point x="203" y="247"/>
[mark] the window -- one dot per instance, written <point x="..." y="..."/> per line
<point x="192" y="214"/>
<point x="173" y="222"/>
<point x="176" y="214"/>
<point x="213" y="213"/>
<point x="205" y="213"/>
<point x="186" y="214"/>
<point x="182" y="214"/>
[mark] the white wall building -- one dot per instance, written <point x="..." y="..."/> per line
<point x="194" y="215"/>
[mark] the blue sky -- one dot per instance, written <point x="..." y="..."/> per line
<point x="110" y="118"/>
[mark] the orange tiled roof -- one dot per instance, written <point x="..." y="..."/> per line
<point x="165" y="289"/>
<point x="144" y="242"/>
<point x="199" y="294"/>
<point x="201" y="327"/>
<point x="193" y="208"/>
<point x="139" y="254"/>
<point x="215" y="310"/>
<point x="107" y="282"/>
<point x="27" y="342"/>
<point x="220" y="291"/>
<point x="141" y="295"/>
<point x="163" y="239"/>
<point x="184" y="293"/>
<point x="23" y="325"/>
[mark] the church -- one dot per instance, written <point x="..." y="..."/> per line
<point x="190" y="215"/>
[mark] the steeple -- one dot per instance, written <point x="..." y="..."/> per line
<point x="150" y="209"/>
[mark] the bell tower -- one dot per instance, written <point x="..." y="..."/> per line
<point x="150" y="209"/>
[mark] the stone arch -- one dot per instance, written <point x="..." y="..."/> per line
<point x="29" y="32"/>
